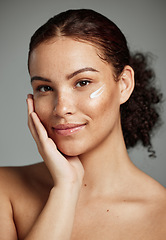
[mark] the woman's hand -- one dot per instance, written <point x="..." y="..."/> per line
<point x="64" y="171"/>
<point x="57" y="217"/>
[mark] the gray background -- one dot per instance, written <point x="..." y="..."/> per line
<point x="143" y="23"/>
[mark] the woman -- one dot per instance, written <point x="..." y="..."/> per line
<point x="83" y="114"/>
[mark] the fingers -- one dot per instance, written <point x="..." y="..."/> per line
<point x="30" y="105"/>
<point x="39" y="128"/>
<point x="36" y="127"/>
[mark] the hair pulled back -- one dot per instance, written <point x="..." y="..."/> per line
<point x="138" y="114"/>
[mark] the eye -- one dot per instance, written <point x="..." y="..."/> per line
<point x="44" y="89"/>
<point x="82" y="83"/>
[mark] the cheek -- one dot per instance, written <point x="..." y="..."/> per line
<point x="103" y="105"/>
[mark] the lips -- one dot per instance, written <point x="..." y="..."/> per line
<point x="68" y="129"/>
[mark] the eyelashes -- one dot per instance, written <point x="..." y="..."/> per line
<point x="47" y="88"/>
<point x="44" y="88"/>
<point x="82" y="83"/>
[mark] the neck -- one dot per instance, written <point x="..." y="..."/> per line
<point x="106" y="165"/>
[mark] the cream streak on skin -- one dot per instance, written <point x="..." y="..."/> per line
<point x="97" y="93"/>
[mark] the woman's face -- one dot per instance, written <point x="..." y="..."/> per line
<point x="75" y="94"/>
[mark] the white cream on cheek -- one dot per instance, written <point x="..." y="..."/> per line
<point x="97" y="93"/>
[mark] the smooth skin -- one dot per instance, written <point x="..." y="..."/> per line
<point x="86" y="187"/>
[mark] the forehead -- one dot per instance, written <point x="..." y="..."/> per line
<point x="65" y="53"/>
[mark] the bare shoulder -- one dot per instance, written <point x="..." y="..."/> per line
<point x="148" y="189"/>
<point x="21" y="187"/>
<point x="157" y="208"/>
<point x="13" y="178"/>
<point x="8" y="185"/>
<point x="152" y="189"/>
<point x="10" y="176"/>
<point x="153" y="196"/>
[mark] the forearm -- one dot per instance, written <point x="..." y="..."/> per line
<point x="56" y="219"/>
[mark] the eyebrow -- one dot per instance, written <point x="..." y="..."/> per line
<point x="40" y="79"/>
<point x="86" y="69"/>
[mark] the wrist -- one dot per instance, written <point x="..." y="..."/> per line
<point x="66" y="190"/>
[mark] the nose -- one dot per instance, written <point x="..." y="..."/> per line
<point x="64" y="105"/>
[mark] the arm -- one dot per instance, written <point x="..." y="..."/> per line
<point x="7" y="226"/>
<point x="56" y="219"/>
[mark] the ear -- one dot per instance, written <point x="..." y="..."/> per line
<point x="126" y="84"/>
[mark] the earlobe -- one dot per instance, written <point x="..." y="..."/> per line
<point x="126" y="83"/>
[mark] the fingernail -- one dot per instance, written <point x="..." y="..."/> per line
<point x="29" y="95"/>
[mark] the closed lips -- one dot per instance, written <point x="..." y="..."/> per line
<point x="67" y="126"/>
<point x="68" y="129"/>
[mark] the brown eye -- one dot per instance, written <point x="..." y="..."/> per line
<point x="44" y="89"/>
<point x="82" y="83"/>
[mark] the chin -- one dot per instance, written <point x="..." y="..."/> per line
<point x="71" y="148"/>
<point x="71" y="152"/>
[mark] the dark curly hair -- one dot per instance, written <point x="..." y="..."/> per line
<point x="139" y="114"/>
